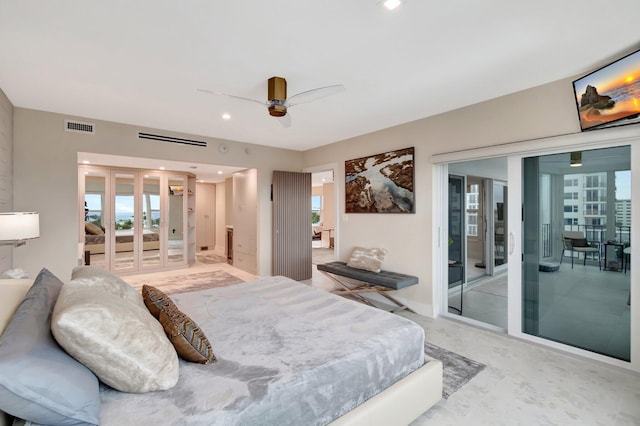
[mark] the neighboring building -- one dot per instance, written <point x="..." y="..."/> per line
<point x="623" y="213"/>
<point x="585" y="199"/>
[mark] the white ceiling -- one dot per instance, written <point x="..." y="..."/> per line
<point x="142" y="62"/>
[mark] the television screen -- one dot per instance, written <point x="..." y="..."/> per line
<point x="610" y="94"/>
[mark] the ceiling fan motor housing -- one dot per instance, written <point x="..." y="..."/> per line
<point x="277" y="95"/>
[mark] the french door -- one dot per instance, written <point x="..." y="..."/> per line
<point x="134" y="220"/>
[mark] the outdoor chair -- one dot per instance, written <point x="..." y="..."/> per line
<point x="575" y="241"/>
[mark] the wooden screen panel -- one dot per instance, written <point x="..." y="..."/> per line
<point x="291" y="193"/>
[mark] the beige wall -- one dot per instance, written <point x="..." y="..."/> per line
<point x="45" y="179"/>
<point x="220" y="219"/>
<point x="534" y="113"/>
<point x="328" y="206"/>
<point x="6" y="171"/>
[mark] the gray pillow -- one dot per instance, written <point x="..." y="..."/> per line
<point x="39" y="381"/>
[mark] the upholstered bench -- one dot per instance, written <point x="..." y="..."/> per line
<point x="370" y="282"/>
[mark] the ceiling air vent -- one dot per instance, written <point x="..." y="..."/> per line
<point x="79" y="127"/>
<point x="171" y="139"/>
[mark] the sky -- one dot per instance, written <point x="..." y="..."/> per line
<point x="623" y="185"/>
<point x="624" y="71"/>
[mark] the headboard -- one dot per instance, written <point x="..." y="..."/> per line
<point x="11" y="293"/>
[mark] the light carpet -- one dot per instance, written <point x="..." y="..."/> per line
<point x="457" y="370"/>
<point x="190" y="282"/>
<point x="210" y="257"/>
<point x="322" y="255"/>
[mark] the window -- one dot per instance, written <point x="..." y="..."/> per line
<point x="93" y="208"/>
<point x="316" y="205"/>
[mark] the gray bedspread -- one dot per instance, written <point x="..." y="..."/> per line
<point x="288" y="354"/>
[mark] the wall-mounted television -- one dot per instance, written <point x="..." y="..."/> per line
<point x="610" y="96"/>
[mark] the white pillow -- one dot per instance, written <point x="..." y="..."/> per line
<point x="369" y="259"/>
<point x="93" y="276"/>
<point x="119" y="341"/>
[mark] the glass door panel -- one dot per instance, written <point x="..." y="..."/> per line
<point x="124" y="223"/>
<point x="574" y="217"/>
<point x="96" y="234"/>
<point x="151" y="219"/>
<point x="177" y="226"/>
<point x="499" y="223"/>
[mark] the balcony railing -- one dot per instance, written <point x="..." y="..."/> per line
<point x="597" y="233"/>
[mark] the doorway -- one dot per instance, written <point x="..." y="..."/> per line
<point x="477" y="282"/>
<point x="323" y="232"/>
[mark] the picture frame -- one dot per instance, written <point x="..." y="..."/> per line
<point x="381" y="183"/>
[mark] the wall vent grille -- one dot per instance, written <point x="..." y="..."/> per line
<point x="171" y="139"/>
<point x="79" y="127"/>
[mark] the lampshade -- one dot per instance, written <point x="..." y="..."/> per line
<point x="15" y="226"/>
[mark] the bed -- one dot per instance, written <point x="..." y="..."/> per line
<point x="288" y="353"/>
<point x="95" y="243"/>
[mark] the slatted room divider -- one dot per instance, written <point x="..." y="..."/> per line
<point x="291" y="196"/>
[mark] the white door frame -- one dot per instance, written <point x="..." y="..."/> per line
<point x="515" y="152"/>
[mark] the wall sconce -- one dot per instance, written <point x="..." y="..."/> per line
<point x="576" y="159"/>
<point x="16" y="227"/>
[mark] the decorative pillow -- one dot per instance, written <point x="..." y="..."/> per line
<point x="92" y="229"/>
<point x="185" y="335"/>
<point x="367" y="259"/>
<point x="579" y="242"/>
<point x="119" y="341"/>
<point x="39" y="381"/>
<point x="93" y="276"/>
<point x="189" y="340"/>
<point x="156" y="300"/>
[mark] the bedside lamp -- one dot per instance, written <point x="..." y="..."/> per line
<point x="16" y="227"/>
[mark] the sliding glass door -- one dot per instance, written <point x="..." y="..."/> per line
<point x="576" y="245"/>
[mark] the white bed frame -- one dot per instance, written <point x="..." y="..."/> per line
<point x="399" y="404"/>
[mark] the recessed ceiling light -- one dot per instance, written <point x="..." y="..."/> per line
<point x="161" y="167"/>
<point x="219" y="172"/>
<point x="391" y="4"/>
<point x="226" y="116"/>
<point x="86" y="162"/>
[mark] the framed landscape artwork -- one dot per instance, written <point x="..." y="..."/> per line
<point x="382" y="183"/>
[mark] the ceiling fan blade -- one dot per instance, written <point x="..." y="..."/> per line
<point x="285" y="121"/>
<point x="211" y="92"/>
<point x="314" y="94"/>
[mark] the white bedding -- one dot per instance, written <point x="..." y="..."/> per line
<point x="287" y="354"/>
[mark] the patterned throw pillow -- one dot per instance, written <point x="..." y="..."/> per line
<point x="156" y="301"/>
<point x="188" y="339"/>
<point x="368" y="259"/>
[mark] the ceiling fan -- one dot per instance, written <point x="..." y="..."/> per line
<point x="277" y="102"/>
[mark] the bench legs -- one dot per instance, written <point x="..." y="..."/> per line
<point x="358" y="289"/>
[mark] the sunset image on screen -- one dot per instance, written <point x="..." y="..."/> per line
<point x="609" y="94"/>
